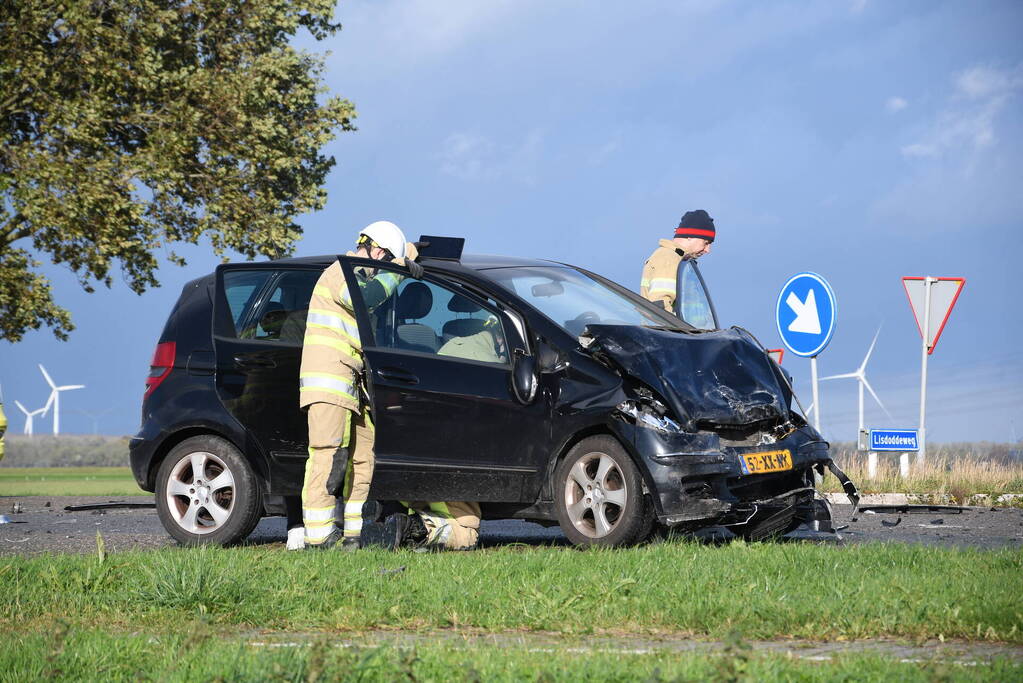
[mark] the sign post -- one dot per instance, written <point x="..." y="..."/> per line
<point x="805" y="313"/>
<point x="931" y="299"/>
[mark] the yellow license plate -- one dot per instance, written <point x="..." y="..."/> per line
<point x="771" y="461"/>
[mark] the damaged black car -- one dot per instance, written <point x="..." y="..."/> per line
<point x="541" y="390"/>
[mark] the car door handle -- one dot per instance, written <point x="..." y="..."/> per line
<point x="250" y="362"/>
<point x="396" y="375"/>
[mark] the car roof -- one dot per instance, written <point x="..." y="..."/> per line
<point x="475" y="262"/>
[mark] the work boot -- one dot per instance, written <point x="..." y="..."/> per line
<point x="334" y="540"/>
<point x="399" y="529"/>
<point x="409" y="530"/>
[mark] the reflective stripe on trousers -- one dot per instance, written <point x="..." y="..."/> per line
<point x="332" y="427"/>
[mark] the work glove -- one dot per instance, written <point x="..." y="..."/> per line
<point x="338" y="469"/>
<point x="411" y="254"/>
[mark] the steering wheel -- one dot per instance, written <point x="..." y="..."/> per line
<point x="586" y="317"/>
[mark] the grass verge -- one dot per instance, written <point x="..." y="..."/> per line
<point x="764" y="591"/>
<point x="958" y="478"/>
<point x="68" y="481"/>
<point x="203" y="654"/>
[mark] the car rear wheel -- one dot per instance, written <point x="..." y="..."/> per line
<point x="599" y="495"/>
<point x="206" y="493"/>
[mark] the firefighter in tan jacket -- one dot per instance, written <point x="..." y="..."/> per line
<point x="340" y="425"/>
<point x="692" y="239"/>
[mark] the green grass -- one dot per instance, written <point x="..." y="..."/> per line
<point x="68" y="481"/>
<point x="767" y="590"/>
<point x="203" y="654"/>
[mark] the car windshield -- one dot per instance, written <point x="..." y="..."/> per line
<point x="573" y="299"/>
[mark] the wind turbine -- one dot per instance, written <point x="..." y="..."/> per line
<point x="30" y="415"/>
<point x="55" y="397"/>
<point x="860" y="376"/>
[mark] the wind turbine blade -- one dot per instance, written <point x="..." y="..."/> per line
<point x="848" y="375"/>
<point x="21" y="407"/>
<point x="809" y="410"/>
<point x="871" y="390"/>
<point x="49" y="401"/>
<point x="49" y="380"/>
<point x="866" y="358"/>
<point x="69" y="387"/>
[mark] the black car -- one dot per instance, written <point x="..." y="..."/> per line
<point x="539" y="389"/>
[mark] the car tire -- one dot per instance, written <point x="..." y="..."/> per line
<point x="206" y="493"/>
<point x="598" y="494"/>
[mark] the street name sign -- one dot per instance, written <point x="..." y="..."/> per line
<point x="943" y="296"/>
<point x="901" y="440"/>
<point x="806" y="313"/>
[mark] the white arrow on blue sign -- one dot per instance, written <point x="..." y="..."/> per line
<point x="806" y="314"/>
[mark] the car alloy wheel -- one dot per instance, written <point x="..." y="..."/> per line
<point x="206" y="492"/>
<point x="200" y="493"/>
<point x="595" y="495"/>
<point x="599" y="495"/>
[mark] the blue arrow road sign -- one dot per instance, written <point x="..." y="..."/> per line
<point x="806" y="313"/>
<point x="894" y="440"/>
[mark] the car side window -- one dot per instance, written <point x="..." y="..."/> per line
<point x="242" y="289"/>
<point x="281" y="314"/>
<point x="433" y="319"/>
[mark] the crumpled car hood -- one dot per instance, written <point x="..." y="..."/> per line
<point x="708" y="378"/>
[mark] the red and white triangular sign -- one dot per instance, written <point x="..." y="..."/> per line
<point x="776" y="355"/>
<point x="944" y="293"/>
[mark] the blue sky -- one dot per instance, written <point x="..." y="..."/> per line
<point x="862" y="140"/>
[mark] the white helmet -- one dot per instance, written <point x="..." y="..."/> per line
<point x="387" y="235"/>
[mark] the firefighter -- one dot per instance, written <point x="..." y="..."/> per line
<point x="430" y="526"/>
<point x="340" y="426"/>
<point x="692" y="239"/>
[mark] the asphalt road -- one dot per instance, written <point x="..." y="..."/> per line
<point x="42" y="525"/>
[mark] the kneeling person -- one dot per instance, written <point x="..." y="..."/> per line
<point x="435" y="526"/>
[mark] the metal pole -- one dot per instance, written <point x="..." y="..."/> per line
<point x="817" y="478"/>
<point x="816" y="394"/>
<point x="921" y="455"/>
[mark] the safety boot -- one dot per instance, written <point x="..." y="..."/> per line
<point x="335" y="541"/>
<point x="398" y="530"/>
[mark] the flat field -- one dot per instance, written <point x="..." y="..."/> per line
<point x="68" y="481"/>
<point x="259" y="612"/>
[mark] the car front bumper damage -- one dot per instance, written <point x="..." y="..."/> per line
<point x="696" y="481"/>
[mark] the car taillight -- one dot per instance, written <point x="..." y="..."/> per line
<point x="160" y="367"/>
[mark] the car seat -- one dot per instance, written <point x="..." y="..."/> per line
<point x="462" y="327"/>
<point x="415" y="302"/>
<point x="272" y="320"/>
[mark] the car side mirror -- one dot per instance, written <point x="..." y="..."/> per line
<point x="524" y="382"/>
<point x="550" y="360"/>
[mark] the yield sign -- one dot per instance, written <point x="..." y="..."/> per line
<point x="944" y="293"/>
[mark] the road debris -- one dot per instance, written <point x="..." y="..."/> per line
<point x="885" y="522"/>
<point x="112" y="505"/>
<point x="911" y="509"/>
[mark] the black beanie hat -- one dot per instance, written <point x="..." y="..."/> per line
<point x="696" y="224"/>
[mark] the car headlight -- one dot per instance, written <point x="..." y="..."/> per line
<point x="645" y="416"/>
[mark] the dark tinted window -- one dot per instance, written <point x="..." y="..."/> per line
<point x="242" y="289"/>
<point x="280" y="315"/>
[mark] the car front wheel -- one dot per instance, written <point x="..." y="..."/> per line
<point x="206" y="493"/>
<point x="599" y="495"/>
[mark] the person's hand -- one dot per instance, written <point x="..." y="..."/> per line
<point x="414" y="269"/>
<point x="411" y="254"/>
